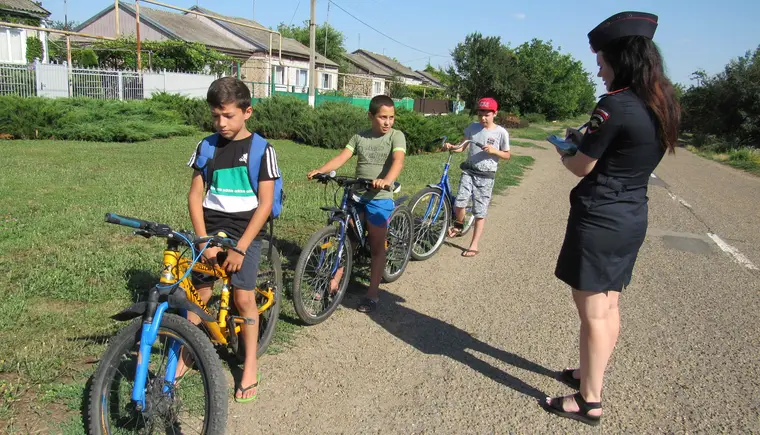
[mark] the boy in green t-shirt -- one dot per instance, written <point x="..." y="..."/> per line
<point x="380" y="154"/>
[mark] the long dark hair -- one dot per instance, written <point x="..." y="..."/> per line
<point x="637" y="63"/>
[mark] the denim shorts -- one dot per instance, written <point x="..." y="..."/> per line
<point x="376" y="211"/>
<point x="243" y="279"/>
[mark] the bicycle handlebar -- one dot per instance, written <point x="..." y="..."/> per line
<point x="460" y="146"/>
<point x="150" y="229"/>
<point x="348" y="181"/>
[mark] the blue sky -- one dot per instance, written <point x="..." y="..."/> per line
<point x="692" y="34"/>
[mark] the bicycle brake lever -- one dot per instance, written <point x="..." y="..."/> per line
<point x="143" y="233"/>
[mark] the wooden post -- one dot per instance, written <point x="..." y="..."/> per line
<point x="116" y="14"/>
<point x="137" y="21"/>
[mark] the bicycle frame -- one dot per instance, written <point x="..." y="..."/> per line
<point x="445" y="186"/>
<point x="341" y="216"/>
<point x="174" y="274"/>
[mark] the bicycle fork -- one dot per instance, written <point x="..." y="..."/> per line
<point x="148" y="335"/>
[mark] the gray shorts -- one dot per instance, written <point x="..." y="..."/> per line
<point x="477" y="187"/>
<point x="243" y="279"/>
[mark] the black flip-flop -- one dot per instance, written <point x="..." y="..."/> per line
<point x="557" y="403"/>
<point x="475" y="252"/>
<point x="367" y="305"/>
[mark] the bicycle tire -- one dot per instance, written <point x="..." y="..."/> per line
<point x="444" y="214"/>
<point x="298" y="296"/>
<point x="403" y="236"/>
<point x="469" y="218"/>
<point x="206" y="359"/>
<point x="265" y="337"/>
<point x="237" y="345"/>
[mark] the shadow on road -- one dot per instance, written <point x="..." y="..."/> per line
<point x="435" y="337"/>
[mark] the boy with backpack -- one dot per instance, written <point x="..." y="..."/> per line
<point x="380" y="153"/>
<point x="235" y="189"/>
<point x="479" y="170"/>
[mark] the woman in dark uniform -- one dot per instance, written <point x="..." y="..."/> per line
<point x="631" y="128"/>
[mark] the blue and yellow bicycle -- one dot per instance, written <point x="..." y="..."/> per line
<point x="161" y="373"/>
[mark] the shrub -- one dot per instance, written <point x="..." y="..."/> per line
<point x="535" y="118"/>
<point x="509" y="120"/>
<point x="280" y="117"/>
<point x="194" y="111"/>
<point x="331" y="124"/>
<point x="88" y="119"/>
<point x="422" y="132"/>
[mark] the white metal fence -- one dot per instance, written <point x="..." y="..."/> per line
<point x="17" y="79"/>
<point x="55" y="81"/>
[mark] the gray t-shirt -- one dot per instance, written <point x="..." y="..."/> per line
<point x="497" y="138"/>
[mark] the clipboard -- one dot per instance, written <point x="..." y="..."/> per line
<point x="565" y="145"/>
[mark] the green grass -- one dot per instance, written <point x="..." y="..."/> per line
<point x="66" y="270"/>
<point x="746" y="159"/>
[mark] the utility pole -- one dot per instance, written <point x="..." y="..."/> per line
<point x="253" y="10"/>
<point x="313" y="52"/>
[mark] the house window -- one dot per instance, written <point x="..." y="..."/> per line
<point x="326" y="81"/>
<point x="378" y="88"/>
<point x="12" y="45"/>
<point x="279" y="75"/>
<point x="302" y="77"/>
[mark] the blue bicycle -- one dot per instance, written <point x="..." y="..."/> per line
<point x="329" y="249"/>
<point x="433" y="211"/>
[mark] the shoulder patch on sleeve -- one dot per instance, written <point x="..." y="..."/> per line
<point x="598" y="117"/>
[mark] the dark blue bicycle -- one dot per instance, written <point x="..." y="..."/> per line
<point x="329" y="249"/>
<point x="433" y="212"/>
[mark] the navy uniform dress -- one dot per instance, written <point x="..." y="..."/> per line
<point x="608" y="207"/>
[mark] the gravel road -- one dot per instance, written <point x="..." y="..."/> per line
<point x="468" y="345"/>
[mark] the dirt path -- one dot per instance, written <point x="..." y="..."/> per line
<point x="468" y="345"/>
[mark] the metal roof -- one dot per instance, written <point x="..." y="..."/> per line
<point x="27" y="6"/>
<point x="261" y="37"/>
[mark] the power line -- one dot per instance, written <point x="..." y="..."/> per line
<point x="392" y="39"/>
<point x="294" y="13"/>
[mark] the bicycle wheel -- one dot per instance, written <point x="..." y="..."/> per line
<point x="111" y="408"/>
<point x="398" y="243"/>
<point x="469" y="218"/>
<point x="430" y="222"/>
<point x="311" y="285"/>
<point x="269" y="276"/>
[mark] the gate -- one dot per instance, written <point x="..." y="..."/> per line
<point x="52" y="80"/>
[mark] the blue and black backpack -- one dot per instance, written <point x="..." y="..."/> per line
<point x="255" y="154"/>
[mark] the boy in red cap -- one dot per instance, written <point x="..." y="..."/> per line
<point x="479" y="170"/>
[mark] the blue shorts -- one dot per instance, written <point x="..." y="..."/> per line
<point x="377" y="211"/>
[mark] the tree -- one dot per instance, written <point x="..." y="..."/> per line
<point x="726" y="105"/>
<point x="334" y="40"/>
<point x="60" y="25"/>
<point x="557" y="85"/>
<point x="484" y="67"/>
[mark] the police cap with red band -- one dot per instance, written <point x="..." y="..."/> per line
<point x="623" y="24"/>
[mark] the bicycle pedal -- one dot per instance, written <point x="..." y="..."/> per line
<point x="242" y="320"/>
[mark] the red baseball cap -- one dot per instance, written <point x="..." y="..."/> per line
<point x="487" y="104"/>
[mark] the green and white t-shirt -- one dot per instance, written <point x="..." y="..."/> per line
<point x="374" y="157"/>
<point x="230" y="201"/>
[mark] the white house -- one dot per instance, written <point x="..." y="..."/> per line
<point x="13" y="40"/>
<point x="249" y="46"/>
